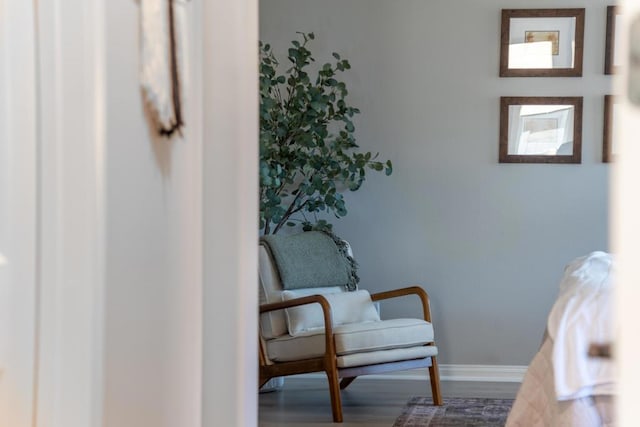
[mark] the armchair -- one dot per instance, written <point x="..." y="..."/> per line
<point x="341" y="345"/>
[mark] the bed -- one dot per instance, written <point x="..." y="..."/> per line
<point x="564" y="385"/>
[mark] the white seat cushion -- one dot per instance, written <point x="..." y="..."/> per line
<point x="377" y="338"/>
<point x="383" y="335"/>
<point x="384" y="356"/>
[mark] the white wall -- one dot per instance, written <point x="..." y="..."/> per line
<point x="488" y="241"/>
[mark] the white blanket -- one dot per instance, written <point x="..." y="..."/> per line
<point x="582" y="315"/>
<point x="536" y="404"/>
<point x="563" y="386"/>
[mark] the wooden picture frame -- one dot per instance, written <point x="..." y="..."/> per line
<point x="612" y="51"/>
<point x="609" y="134"/>
<point x="542" y="42"/>
<point x="540" y="129"/>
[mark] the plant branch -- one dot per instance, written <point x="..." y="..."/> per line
<point x="291" y="209"/>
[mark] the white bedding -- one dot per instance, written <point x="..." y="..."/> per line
<point x="563" y="386"/>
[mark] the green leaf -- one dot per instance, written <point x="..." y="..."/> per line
<point x="389" y="169"/>
<point x="349" y="126"/>
<point x="303" y="163"/>
<point x="317" y="106"/>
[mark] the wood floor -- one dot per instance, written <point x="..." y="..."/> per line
<point x="370" y="402"/>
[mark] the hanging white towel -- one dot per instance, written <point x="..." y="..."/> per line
<point x="160" y="63"/>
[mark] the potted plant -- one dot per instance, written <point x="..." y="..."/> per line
<point x="308" y="152"/>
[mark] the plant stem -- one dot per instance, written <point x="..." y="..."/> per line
<point x="290" y="211"/>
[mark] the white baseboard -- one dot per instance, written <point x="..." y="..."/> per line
<point x="486" y="373"/>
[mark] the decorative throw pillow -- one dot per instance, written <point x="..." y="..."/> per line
<point x="346" y="307"/>
<point x="312" y="259"/>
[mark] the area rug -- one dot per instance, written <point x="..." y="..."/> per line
<point x="455" y="412"/>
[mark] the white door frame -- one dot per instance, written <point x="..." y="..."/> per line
<point x="18" y="217"/>
<point x="625" y="231"/>
<point x="71" y="102"/>
<point x="51" y="225"/>
<point x="53" y="136"/>
<point x="230" y="337"/>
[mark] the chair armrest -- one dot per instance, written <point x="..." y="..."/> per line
<point x="281" y="305"/>
<point x="411" y="290"/>
<point x="311" y="299"/>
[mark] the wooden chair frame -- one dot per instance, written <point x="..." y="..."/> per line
<point x="328" y="362"/>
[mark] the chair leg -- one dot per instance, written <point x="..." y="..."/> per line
<point x="344" y="383"/>
<point x="262" y="381"/>
<point x="434" y="376"/>
<point x="334" y="390"/>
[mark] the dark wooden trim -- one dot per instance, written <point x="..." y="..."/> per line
<point x="281" y="305"/>
<point x="295" y="367"/>
<point x="177" y="124"/>
<point x="346" y="381"/>
<point x="601" y="350"/>
<point x="411" y="290"/>
<point x="334" y="392"/>
<point x="607" y="137"/>
<point x="503" y="150"/>
<point x="434" y="376"/>
<point x="507" y="14"/>
<point x="610" y="42"/>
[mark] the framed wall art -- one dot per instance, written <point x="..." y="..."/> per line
<point x="611" y="127"/>
<point x="612" y="54"/>
<point x="540" y="129"/>
<point x="541" y="42"/>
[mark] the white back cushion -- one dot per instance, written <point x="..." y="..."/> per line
<point x="346" y="307"/>
<point x="274" y="324"/>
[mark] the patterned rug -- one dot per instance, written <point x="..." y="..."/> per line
<point x="456" y="411"/>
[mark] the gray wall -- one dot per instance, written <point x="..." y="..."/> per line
<point x="488" y="241"/>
